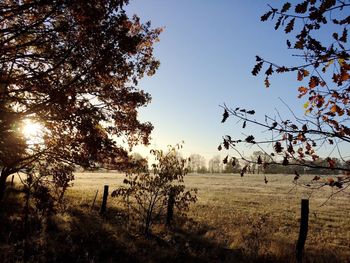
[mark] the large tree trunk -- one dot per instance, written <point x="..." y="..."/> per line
<point x="3" y="178"/>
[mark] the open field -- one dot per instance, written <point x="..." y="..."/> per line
<point x="234" y="220"/>
<point x="245" y="214"/>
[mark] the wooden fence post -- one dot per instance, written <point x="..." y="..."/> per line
<point x="304" y="223"/>
<point x="170" y="208"/>
<point x="93" y="203"/>
<point x="104" y="200"/>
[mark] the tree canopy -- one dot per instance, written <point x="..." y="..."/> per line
<point x="318" y="36"/>
<point x="73" y="67"/>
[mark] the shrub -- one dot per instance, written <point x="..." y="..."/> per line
<point x="149" y="195"/>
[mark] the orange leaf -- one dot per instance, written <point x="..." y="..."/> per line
<point x="314" y="81"/>
<point x="306" y="73"/>
<point x="302" y="90"/>
<point x="300" y="76"/>
<point x="334" y="108"/>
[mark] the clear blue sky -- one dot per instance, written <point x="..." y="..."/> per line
<point x="207" y="52"/>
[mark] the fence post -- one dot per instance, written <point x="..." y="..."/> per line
<point x="104" y="200"/>
<point x="13" y="177"/>
<point x="93" y="203"/>
<point x="304" y="220"/>
<point x="170" y="208"/>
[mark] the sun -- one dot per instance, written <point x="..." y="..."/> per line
<point x="32" y="131"/>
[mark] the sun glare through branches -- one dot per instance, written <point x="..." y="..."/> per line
<point x="33" y="131"/>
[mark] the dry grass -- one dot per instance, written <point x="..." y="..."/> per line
<point x="235" y="220"/>
<point x="248" y="215"/>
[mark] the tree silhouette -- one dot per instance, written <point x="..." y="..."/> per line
<point x="72" y="67"/>
<point x="323" y="73"/>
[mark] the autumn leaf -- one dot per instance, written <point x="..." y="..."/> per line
<point x="224" y="116"/>
<point x="233" y="163"/>
<point x="278" y="23"/>
<point x="299" y="44"/>
<point x="225" y="160"/>
<point x="344" y="76"/>
<point x="335" y="36"/>
<point x="266" y="16"/>
<point x="285" y="7"/>
<point x="289" y="26"/>
<point x="251" y="112"/>
<point x="305" y="72"/>
<point x="288" y="43"/>
<point x="267" y="82"/>
<point x="282" y="69"/>
<point x="269" y="71"/>
<point x="294" y="127"/>
<point x="250" y="139"/>
<point x="301" y="8"/>
<point x="273" y="126"/>
<point x="257" y="68"/>
<point x="278" y="147"/>
<point x="226" y="144"/>
<point x="314" y="81"/>
<point x="300" y="75"/>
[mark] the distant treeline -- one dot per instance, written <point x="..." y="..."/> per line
<point x="198" y="164"/>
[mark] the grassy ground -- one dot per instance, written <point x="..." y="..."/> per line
<point x="235" y="220"/>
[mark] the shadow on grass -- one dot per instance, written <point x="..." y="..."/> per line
<point x="81" y="235"/>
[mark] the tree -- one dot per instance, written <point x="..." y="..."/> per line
<point x="147" y="194"/>
<point x="72" y="67"/>
<point x="231" y="166"/>
<point x="255" y="168"/>
<point x="323" y="73"/>
<point x="215" y="165"/>
<point x="196" y="163"/>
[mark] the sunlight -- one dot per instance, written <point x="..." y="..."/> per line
<point x="33" y="131"/>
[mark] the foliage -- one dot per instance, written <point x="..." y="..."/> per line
<point x="196" y="164"/>
<point x="215" y="165"/>
<point x="324" y="79"/>
<point x="231" y="165"/>
<point x="146" y="195"/>
<point x="73" y="68"/>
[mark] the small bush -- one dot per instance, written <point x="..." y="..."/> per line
<point x="150" y="195"/>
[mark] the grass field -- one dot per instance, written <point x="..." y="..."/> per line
<point x="248" y="217"/>
<point x="234" y="220"/>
